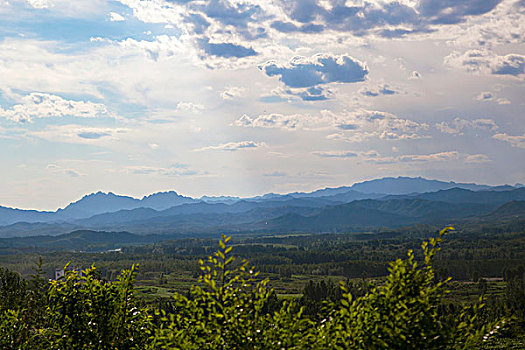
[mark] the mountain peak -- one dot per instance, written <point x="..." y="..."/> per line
<point x="102" y="202"/>
<point x="170" y="193"/>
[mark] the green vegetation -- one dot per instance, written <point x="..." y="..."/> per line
<point x="232" y="307"/>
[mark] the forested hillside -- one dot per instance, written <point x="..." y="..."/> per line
<point x="232" y="306"/>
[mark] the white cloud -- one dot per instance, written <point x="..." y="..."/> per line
<point x="476" y="60"/>
<point x="162" y="171"/>
<point x="30" y="65"/>
<point x="64" y="170"/>
<point x="156" y="11"/>
<point x="116" y="17"/>
<point x="363" y="124"/>
<point x="301" y="72"/>
<point x="71" y="133"/>
<point x="314" y="93"/>
<point x="485" y="96"/>
<point x="383" y="89"/>
<point x="335" y="154"/>
<point x="39" y="4"/>
<point x="303" y="76"/>
<point x="477" y="158"/>
<point x="515" y="141"/>
<point x="276" y="174"/>
<point x="217" y="34"/>
<point x="415" y="75"/>
<point x="41" y="105"/>
<point x="275" y="120"/>
<point x="162" y="47"/>
<point x="232" y="92"/>
<point x="355" y="126"/>
<point x="446" y="129"/>
<point x="190" y="107"/>
<point x="446" y="156"/>
<point x="439" y="157"/>
<point x="234" y="146"/>
<point x="70" y="8"/>
<point x="458" y="125"/>
<point x="233" y="33"/>
<point x="504" y="25"/>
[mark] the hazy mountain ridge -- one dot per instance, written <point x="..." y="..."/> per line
<point x="101" y="202"/>
<point x="339" y="208"/>
<point x="94" y="204"/>
<point x="514" y="209"/>
<point x="406" y="185"/>
<point x="12" y="215"/>
<point x="359" y="213"/>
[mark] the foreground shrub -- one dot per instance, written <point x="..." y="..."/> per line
<point x="227" y="312"/>
<point x="230" y="311"/>
<point x="85" y="312"/>
<point x="21" y="310"/>
<point x="403" y="312"/>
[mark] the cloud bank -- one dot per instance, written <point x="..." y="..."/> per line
<point x="42" y="105"/>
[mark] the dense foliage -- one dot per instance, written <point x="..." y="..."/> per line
<point x="233" y="308"/>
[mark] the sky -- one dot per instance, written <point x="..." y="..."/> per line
<point x="245" y="97"/>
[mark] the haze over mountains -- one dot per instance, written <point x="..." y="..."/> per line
<point x="386" y="202"/>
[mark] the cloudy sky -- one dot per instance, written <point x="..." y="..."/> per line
<point x="244" y="97"/>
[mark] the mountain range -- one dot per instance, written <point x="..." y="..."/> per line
<point x="386" y="202"/>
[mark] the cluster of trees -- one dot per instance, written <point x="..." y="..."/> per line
<point x="232" y="308"/>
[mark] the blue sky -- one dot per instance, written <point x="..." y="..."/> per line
<point x="244" y="97"/>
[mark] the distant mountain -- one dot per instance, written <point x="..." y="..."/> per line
<point x="11" y="215"/>
<point x="335" y="219"/>
<point x="164" y="200"/>
<point x="93" y="204"/>
<point x="105" y="209"/>
<point x="385" y="186"/>
<point x="510" y="210"/>
<point x="220" y="199"/>
<point x="377" y="213"/>
<point x="322" y="192"/>
<point x="297" y="215"/>
<point x="407" y="185"/>
<point x="100" y="202"/>
<point x="118" y="217"/>
<point x="270" y="197"/>
<point x="245" y="216"/>
<point x="348" y="196"/>
<point x="23" y="229"/>
<point x="459" y="195"/>
<point x="200" y="208"/>
<point x="355" y="216"/>
<point x="97" y="203"/>
<point x="200" y="217"/>
<point x="504" y="188"/>
<point x="427" y="211"/>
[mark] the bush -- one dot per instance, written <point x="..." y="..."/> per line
<point x="85" y="312"/>
<point x="403" y="312"/>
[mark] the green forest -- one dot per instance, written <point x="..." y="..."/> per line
<point x="394" y="290"/>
